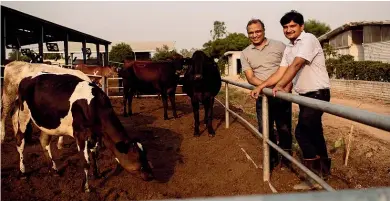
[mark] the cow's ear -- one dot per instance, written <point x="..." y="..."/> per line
<point x="122" y="147"/>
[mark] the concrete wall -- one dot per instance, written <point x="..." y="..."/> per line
<point x="361" y="89"/>
<point x="232" y="63"/>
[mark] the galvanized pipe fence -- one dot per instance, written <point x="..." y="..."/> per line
<point x="362" y="116"/>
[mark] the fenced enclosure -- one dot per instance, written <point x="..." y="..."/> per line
<point x="368" y="118"/>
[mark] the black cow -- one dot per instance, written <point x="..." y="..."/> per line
<point x="202" y="82"/>
<point x="149" y="76"/>
<point x="63" y="104"/>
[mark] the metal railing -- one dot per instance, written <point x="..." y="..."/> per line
<point x="362" y="116"/>
<point x="377" y="194"/>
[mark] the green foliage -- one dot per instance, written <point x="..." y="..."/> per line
<point x="329" y="51"/>
<point x="52" y="56"/>
<point x="120" y="51"/>
<point x="316" y="27"/>
<point x="232" y="42"/>
<point x="164" y="53"/>
<point x="344" y="67"/>
<point x="222" y="65"/>
<point x="14" y="56"/>
<point x="218" y="31"/>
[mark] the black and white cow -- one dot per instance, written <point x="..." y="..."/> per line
<point x="14" y="72"/>
<point x="64" y="104"/>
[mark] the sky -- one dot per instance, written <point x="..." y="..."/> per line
<point x="188" y="23"/>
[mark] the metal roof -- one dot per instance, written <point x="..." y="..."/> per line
<point x="349" y="26"/>
<point x="24" y="29"/>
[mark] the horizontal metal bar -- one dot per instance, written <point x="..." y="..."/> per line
<point x="114" y="87"/>
<point x="285" y="154"/>
<point x="371" y="194"/>
<point x="89" y="75"/>
<point x="114" y="78"/>
<point x="380" y="121"/>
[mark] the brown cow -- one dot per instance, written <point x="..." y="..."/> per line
<point x="104" y="71"/>
<point x="64" y="104"/>
<point x="140" y="76"/>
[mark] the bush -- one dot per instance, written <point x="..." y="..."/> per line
<point x="346" y="68"/>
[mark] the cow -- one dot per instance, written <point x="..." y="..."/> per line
<point x="158" y="76"/>
<point x="14" y="72"/>
<point x="104" y="71"/>
<point x="202" y="82"/>
<point x="64" y="104"/>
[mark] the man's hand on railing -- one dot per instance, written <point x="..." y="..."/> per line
<point x="256" y="92"/>
<point x="278" y="88"/>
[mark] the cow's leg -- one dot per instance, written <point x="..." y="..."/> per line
<point x="206" y="106"/>
<point x="20" y="120"/>
<point x="94" y="146"/>
<point x="165" y="104"/>
<point x="6" y="104"/>
<point x="195" y="108"/>
<point x="210" y="117"/>
<point x="125" y="98"/>
<point x="130" y="100"/>
<point x="45" y="140"/>
<point x="82" y="145"/>
<point x="173" y="103"/>
<point x="60" y="144"/>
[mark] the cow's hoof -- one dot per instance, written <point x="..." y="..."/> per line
<point x="205" y="122"/>
<point x="211" y="135"/>
<point x="196" y="134"/>
<point x="175" y="116"/>
<point x="166" y="118"/>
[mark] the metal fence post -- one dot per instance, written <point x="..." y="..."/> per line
<point x="227" y="104"/>
<point x="265" y="119"/>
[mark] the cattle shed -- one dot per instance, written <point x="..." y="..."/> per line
<point x="21" y="29"/>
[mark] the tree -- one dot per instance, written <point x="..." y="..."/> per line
<point x="316" y="27"/>
<point x="187" y="53"/>
<point x="13" y="56"/>
<point x="120" y="51"/>
<point x="218" y="31"/>
<point x="164" y="53"/>
<point x="232" y="42"/>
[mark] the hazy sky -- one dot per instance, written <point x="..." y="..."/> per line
<point x="189" y="23"/>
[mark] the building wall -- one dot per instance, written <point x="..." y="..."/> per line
<point x="361" y="89"/>
<point x="232" y="63"/>
<point x="379" y="51"/>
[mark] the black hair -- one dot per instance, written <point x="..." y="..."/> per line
<point x="294" y="16"/>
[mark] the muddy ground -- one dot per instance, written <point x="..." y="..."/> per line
<point x="184" y="166"/>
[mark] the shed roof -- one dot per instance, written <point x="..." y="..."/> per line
<point x="349" y="26"/>
<point x="24" y="29"/>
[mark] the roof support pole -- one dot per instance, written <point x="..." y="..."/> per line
<point x="66" y="48"/>
<point x="98" y="53"/>
<point x="40" y="45"/>
<point x="84" y="52"/>
<point x="106" y="55"/>
<point x="4" y="41"/>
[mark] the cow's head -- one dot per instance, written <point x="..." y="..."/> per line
<point x="132" y="157"/>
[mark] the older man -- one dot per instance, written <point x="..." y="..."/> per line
<point x="259" y="61"/>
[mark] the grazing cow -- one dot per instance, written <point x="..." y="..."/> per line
<point x="64" y="104"/>
<point x="202" y="82"/>
<point x="161" y="76"/>
<point x="14" y="72"/>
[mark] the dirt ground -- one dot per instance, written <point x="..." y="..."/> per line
<point x="186" y="166"/>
